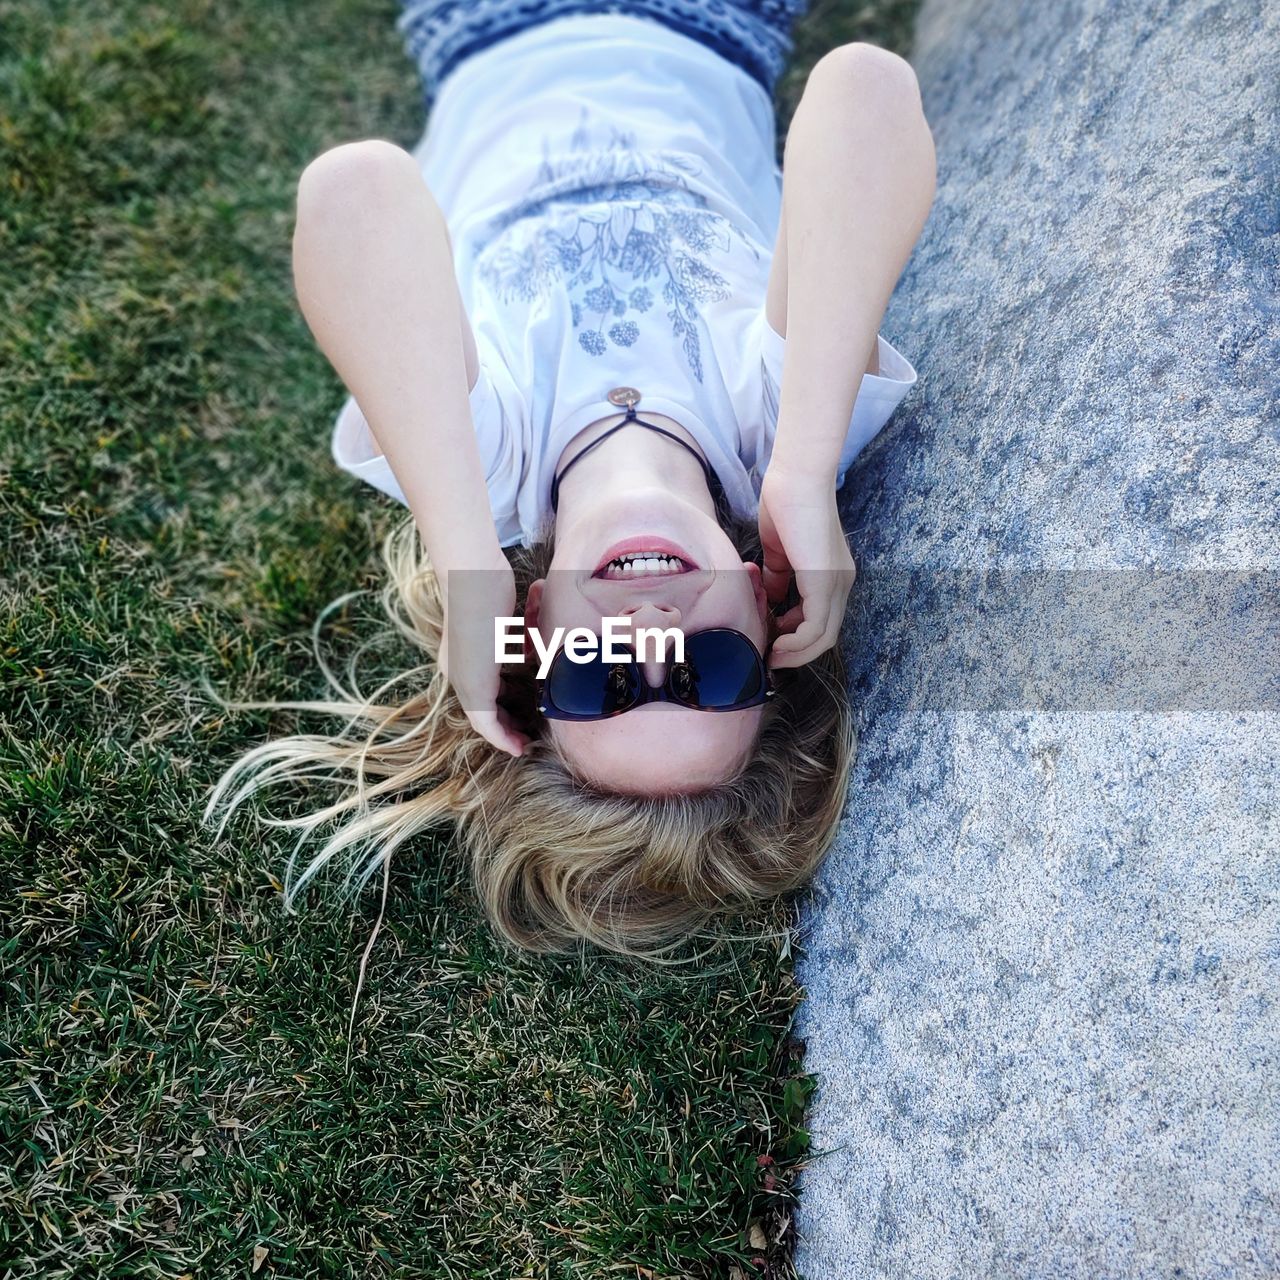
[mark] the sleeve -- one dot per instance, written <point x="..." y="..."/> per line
<point x="495" y="417"/>
<point x="878" y="396"/>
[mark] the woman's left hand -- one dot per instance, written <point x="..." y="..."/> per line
<point x="801" y="534"/>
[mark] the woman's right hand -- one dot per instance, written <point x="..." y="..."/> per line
<point x="480" y="596"/>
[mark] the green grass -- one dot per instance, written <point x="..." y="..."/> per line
<point x="175" y="1091"/>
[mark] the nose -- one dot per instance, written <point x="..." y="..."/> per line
<point x="650" y="613"/>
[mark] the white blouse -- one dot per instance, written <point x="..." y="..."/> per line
<point x="613" y="198"/>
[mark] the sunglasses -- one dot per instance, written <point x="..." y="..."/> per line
<point x="722" y="671"/>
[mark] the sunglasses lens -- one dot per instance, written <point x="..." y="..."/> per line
<point x="594" y="688"/>
<point x="720" y="669"/>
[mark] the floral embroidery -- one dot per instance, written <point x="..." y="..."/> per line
<point x="600" y="221"/>
<point x="624" y="334"/>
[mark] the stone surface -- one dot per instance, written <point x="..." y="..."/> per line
<point x="1043" y="960"/>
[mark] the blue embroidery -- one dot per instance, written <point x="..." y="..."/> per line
<point x="624" y="334"/>
<point x="595" y="214"/>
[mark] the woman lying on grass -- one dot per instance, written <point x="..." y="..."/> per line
<point x="562" y="320"/>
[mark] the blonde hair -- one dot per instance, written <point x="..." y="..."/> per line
<point x="556" y="861"/>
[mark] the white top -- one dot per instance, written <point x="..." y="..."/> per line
<point x="613" y="198"/>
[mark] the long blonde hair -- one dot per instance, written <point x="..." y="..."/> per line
<point x="554" y="860"/>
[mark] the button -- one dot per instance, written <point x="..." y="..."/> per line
<point x="624" y="396"/>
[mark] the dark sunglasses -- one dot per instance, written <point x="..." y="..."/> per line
<point x="722" y="671"/>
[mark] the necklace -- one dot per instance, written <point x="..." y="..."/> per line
<point x="630" y="397"/>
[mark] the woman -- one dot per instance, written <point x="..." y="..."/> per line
<point x="616" y="366"/>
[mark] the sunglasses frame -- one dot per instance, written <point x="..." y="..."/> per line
<point x="664" y="692"/>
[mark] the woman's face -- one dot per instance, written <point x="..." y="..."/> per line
<point x="660" y="747"/>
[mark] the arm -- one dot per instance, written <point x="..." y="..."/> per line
<point x="375" y="280"/>
<point x="775" y="307"/>
<point x="859" y="177"/>
<point x="858" y="181"/>
<point x="374" y="272"/>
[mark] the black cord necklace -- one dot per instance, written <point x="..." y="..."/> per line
<point x="630" y="397"/>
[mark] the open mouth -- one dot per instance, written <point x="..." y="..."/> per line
<point x="643" y="558"/>
<point x="639" y="565"/>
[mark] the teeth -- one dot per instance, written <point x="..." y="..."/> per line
<point x="640" y="563"/>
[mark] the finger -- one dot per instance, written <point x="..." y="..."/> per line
<point x="790" y="620"/>
<point x="776" y="583"/>
<point x="775" y="570"/>
<point x="489" y="727"/>
<point x="824" y="614"/>
<point x="799" y="658"/>
<point x="801" y="651"/>
<point x="808" y="633"/>
<point x="512" y="728"/>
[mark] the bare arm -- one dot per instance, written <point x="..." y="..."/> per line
<point x="374" y="273"/>
<point x="375" y="280"/>
<point x="858" y="180"/>
<point x="775" y="309"/>
<point x="859" y="174"/>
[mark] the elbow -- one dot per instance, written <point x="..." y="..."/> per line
<point x="861" y="80"/>
<point x="863" y="77"/>
<point x="868" y="69"/>
<point x="353" y="179"/>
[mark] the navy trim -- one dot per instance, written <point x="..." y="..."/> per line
<point x="753" y="66"/>
<point x="441" y="35"/>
